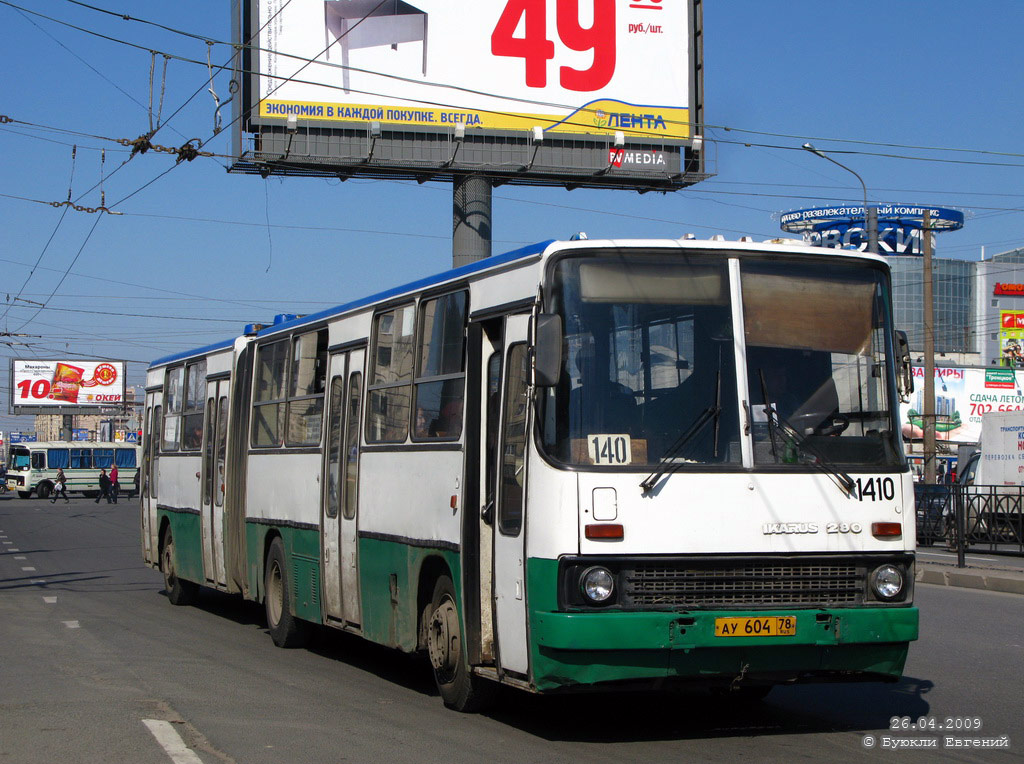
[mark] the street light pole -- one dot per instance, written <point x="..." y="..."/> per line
<point x="870" y="214"/>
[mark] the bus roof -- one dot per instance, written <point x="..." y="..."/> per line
<point x="780" y="246"/>
<point x="413" y="286"/>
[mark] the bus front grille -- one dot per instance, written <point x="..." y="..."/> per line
<point x="749" y="584"/>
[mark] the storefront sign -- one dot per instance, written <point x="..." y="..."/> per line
<point x="1009" y="290"/>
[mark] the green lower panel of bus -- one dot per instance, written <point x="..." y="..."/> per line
<point x="302" y="550"/>
<point x="613" y="646"/>
<point x="188" y="544"/>
<point x="394" y="579"/>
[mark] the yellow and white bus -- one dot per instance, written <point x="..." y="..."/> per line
<point x="32" y="467"/>
<point x="582" y="464"/>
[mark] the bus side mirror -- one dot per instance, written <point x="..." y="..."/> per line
<point x="547" y="356"/>
<point x="904" y="370"/>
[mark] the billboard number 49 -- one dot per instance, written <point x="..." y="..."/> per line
<point x="536" y="49"/>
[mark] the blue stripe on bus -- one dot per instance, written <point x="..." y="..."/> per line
<point x="449" y="275"/>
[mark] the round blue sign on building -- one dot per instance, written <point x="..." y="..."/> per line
<point x="843" y="226"/>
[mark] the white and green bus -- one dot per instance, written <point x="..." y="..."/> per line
<point x="582" y="464"/>
<point x="32" y="467"/>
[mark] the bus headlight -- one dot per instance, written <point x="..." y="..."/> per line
<point x="887" y="582"/>
<point x="597" y="584"/>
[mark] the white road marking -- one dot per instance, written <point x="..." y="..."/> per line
<point x="38" y="581"/>
<point x="71" y="624"/>
<point x="21" y="557"/>
<point x="171" y="742"/>
<point x="12" y="549"/>
<point x="50" y="600"/>
<point x="27" y="568"/>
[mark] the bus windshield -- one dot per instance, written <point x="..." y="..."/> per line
<point x="817" y="339"/>
<point x="19" y="458"/>
<point x="648" y="358"/>
<point x="649" y="364"/>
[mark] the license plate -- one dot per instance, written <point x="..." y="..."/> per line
<point x="767" y="626"/>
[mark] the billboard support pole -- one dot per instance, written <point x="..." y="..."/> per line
<point x="67" y="424"/>
<point x="471" y="219"/>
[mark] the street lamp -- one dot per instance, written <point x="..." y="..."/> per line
<point x="870" y="215"/>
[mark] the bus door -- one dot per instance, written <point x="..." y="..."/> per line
<point x="213" y="479"/>
<point x="147" y="476"/>
<point x="508" y="478"/>
<point x="340" y="488"/>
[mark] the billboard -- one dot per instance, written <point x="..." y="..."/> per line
<point x="962" y="398"/>
<point x="53" y="386"/>
<point x="844" y="226"/>
<point x="1011" y="336"/>
<point x="568" y="87"/>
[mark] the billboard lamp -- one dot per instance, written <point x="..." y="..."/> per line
<point x="374" y="135"/>
<point x="538" y="139"/>
<point x="620" y="138"/>
<point x="292" y="128"/>
<point x="460" y="134"/>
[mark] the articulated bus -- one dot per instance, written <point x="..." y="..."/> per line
<point x="32" y="467"/>
<point x="581" y="464"/>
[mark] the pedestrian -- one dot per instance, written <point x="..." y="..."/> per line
<point x="60" y="487"/>
<point x="114" y="485"/>
<point x="104" y="487"/>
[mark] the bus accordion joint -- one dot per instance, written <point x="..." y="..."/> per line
<point x="604" y="531"/>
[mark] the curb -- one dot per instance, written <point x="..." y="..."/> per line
<point x="971" y="579"/>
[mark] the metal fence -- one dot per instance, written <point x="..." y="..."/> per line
<point x="981" y="517"/>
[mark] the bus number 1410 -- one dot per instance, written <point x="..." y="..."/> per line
<point x="876" y="489"/>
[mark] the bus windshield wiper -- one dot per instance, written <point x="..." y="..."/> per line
<point x="779" y="426"/>
<point x="707" y="415"/>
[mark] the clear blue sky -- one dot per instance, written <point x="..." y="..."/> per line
<point x="205" y="251"/>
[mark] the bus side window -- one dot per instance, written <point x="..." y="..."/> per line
<point x="39" y="460"/>
<point x="389" y="385"/>
<point x="59" y="458"/>
<point x="513" y="455"/>
<point x="440" y="369"/>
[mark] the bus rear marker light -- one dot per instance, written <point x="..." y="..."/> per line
<point x="607" y="531"/>
<point x="884" y="530"/>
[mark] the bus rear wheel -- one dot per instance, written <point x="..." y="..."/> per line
<point x="285" y="629"/>
<point x="179" y="591"/>
<point x="458" y="687"/>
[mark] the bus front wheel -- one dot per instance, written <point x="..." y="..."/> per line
<point x="24" y="494"/>
<point x="43" y="490"/>
<point x="179" y="591"/>
<point x="458" y="687"/>
<point x="285" y="629"/>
